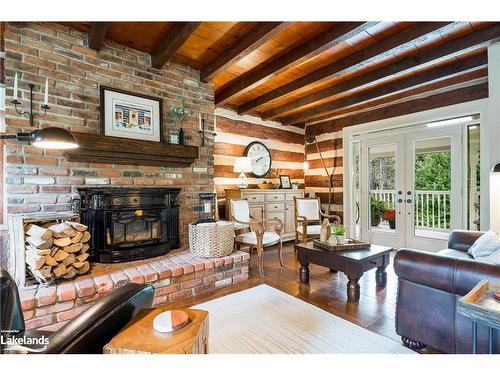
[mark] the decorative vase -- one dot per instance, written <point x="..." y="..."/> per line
<point x="340" y="239"/>
<point x="181" y="136"/>
<point x="392" y="224"/>
<point x="332" y="240"/>
<point x="376" y="221"/>
<point x="325" y="231"/>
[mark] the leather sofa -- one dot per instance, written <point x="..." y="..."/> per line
<point x="87" y="333"/>
<point x="429" y="286"/>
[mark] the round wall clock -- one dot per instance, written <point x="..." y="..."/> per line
<point x="261" y="158"/>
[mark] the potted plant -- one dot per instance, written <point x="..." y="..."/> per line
<point x="340" y="234"/>
<point x="295" y="184"/>
<point x="377" y="208"/>
<point x="390" y="216"/>
<point x="179" y="114"/>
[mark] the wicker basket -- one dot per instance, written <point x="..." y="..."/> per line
<point x="211" y="240"/>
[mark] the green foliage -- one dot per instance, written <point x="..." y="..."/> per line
<point x="340" y="230"/>
<point x="377" y="207"/>
<point x="382" y="173"/>
<point x="433" y="171"/>
<point x="180" y="113"/>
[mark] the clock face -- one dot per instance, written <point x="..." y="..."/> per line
<point x="260" y="157"/>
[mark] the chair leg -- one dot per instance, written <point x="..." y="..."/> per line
<point x="280" y="253"/>
<point x="260" y="260"/>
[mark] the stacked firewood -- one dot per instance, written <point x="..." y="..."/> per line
<point x="57" y="250"/>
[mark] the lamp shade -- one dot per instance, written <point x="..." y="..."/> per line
<point x="242" y="164"/>
<point x="54" y="138"/>
<point x="495" y="198"/>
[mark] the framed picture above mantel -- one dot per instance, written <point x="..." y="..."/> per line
<point x="126" y="114"/>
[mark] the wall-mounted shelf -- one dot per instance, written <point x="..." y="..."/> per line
<point x="113" y="150"/>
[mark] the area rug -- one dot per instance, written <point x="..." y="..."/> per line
<point x="264" y="320"/>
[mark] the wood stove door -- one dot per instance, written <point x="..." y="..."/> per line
<point x="134" y="228"/>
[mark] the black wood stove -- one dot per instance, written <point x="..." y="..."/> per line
<point x="130" y="223"/>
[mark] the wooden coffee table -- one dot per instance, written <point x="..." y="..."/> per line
<point x="353" y="263"/>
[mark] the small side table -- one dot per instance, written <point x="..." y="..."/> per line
<point x="139" y="336"/>
<point x="481" y="307"/>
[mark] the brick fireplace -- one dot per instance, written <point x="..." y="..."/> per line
<point x="44" y="181"/>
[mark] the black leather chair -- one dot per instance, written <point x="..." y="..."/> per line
<point x="87" y="333"/>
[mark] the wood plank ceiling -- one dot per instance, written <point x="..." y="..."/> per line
<point x="302" y="72"/>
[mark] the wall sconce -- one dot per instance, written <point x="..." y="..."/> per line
<point x="495" y="198"/>
<point x="53" y="138"/>
<point x="201" y="129"/>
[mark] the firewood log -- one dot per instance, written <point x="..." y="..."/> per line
<point x="39" y="243"/>
<point x="36" y="231"/>
<point x="73" y="248"/>
<point x="50" y="261"/>
<point x="35" y="263"/>
<point x="85" y="248"/>
<point x="86" y="237"/>
<point x="77" y="238"/>
<point x="31" y="248"/>
<point x="63" y="241"/>
<point x="69" y="260"/>
<point x="78" y="264"/>
<point x="62" y="230"/>
<point x="60" y="270"/>
<point x="45" y="273"/>
<point x="82" y="257"/>
<point x="60" y="255"/>
<point x="71" y="273"/>
<point x="78" y="226"/>
<point x="54" y="250"/>
<point x="84" y="269"/>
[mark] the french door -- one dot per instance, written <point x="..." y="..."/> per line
<point x="411" y="188"/>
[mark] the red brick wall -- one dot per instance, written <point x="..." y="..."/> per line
<point x="43" y="181"/>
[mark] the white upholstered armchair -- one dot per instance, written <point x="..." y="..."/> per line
<point x="308" y="217"/>
<point x="257" y="238"/>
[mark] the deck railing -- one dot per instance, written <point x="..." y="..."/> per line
<point x="432" y="207"/>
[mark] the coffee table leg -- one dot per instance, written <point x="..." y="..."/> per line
<point x="381" y="276"/>
<point x="353" y="290"/>
<point x="304" y="273"/>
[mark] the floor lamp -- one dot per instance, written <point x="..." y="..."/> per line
<point x="311" y="139"/>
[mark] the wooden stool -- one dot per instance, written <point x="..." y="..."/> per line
<point x="139" y="336"/>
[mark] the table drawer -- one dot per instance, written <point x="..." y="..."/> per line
<point x="254" y="197"/>
<point x="275" y="207"/>
<point x="275" y="197"/>
<point x="289" y="197"/>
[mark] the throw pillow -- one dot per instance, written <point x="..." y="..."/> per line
<point x="485" y="245"/>
<point x="492" y="259"/>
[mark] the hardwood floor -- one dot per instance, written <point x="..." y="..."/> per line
<point x="375" y="310"/>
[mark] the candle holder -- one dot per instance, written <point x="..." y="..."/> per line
<point x="202" y="130"/>
<point x="30" y="114"/>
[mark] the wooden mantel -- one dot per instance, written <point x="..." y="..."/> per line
<point x="113" y="150"/>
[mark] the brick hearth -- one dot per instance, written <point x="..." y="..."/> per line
<point x="174" y="276"/>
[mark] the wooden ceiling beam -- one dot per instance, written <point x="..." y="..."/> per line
<point x="171" y="42"/>
<point x="447" y="98"/>
<point x="260" y="34"/>
<point x="97" y="34"/>
<point x="470" y="78"/>
<point x="367" y="55"/>
<point x="319" y="43"/>
<point x="424" y="77"/>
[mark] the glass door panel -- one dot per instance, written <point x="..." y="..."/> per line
<point x="433" y="187"/>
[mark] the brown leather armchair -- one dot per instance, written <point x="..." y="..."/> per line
<point x="429" y="285"/>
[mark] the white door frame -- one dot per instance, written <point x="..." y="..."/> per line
<point x="396" y="238"/>
<point x="414" y="119"/>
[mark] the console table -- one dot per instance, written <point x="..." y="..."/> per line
<point x="269" y="204"/>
